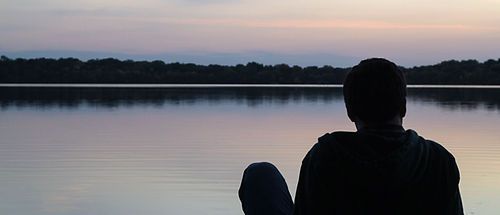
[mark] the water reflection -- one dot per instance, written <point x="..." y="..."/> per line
<point x="182" y="150"/>
<point x="458" y="98"/>
<point x="450" y="98"/>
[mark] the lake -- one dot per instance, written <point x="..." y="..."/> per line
<point x="182" y="150"/>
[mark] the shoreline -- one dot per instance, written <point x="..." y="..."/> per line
<point x="71" y="85"/>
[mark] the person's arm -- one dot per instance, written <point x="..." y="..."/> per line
<point x="455" y="203"/>
<point x="318" y="179"/>
<point x="457" y="207"/>
<point x="312" y="195"/>
<point x="302" y="194"/>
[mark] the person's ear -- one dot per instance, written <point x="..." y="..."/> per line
<point x="402" y="111"/>
<point x="351" y="115"/>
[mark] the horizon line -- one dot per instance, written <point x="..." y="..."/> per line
<point x="218" y="64"/>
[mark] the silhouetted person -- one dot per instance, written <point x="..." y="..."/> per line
<point x="379" y="169"/>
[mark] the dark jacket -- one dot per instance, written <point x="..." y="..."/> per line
<point x="378" y="173"/>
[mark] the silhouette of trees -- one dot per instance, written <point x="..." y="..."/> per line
<point x="109" y="70"/>
<point x="456" y="72"/>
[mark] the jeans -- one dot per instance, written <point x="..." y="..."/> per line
<point x="264" y="191"/>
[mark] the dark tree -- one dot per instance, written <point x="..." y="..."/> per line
<point x="109" y="70"/>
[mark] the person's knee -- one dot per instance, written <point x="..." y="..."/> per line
<point x="260" y="168"/>
<point x="262" y="174"/>
<point x="263" y="190"/>
<point x="255" y="177"/>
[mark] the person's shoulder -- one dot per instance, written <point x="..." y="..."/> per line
<point x="333" y="139"/>
<point x="335" y="136"/>
<point x="435" y="146"/>
<point x="329" y="143"/>
<point x="435" y="149"/>
<point x="442" y="159"/>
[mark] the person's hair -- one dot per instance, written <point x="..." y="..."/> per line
<point x="375" y="91"/>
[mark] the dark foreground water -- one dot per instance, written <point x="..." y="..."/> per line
<point x="122" y="151"/>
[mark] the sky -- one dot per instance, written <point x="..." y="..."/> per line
<point x="301" y="32"/>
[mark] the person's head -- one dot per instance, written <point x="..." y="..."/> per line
<point x="375" y="92"/>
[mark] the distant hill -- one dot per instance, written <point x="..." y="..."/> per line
<point x="109" y="70"/>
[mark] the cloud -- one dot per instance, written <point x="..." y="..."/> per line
<point x="328" y="24"/>
<point x="91" y="12"/>
<point x="204" y="2"/>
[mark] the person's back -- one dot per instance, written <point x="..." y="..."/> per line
<point x="375" y="171"/>
<point x="379" y="169"/>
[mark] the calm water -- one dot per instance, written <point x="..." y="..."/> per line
<point x="122" y="151"/>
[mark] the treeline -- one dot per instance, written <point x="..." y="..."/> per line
<point x="109" y="70"/>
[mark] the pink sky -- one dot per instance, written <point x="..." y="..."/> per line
<point x="409" y="32"/>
